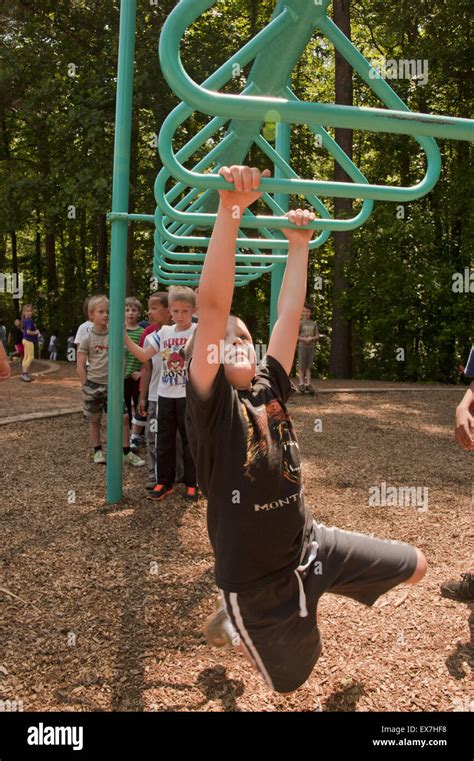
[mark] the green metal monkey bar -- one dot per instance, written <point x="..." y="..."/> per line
<point x="187" y="197"/>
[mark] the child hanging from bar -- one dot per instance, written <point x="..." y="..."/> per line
<point x="272" y="561"/>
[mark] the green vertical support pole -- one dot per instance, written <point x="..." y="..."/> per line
<point x="118" y="257"/>
<point x="282" y="146"/>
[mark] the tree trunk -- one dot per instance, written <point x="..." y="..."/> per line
<point x="3" y="252"/>
<point x="38" y="262"/>
<point x="51" y="273"/>
<point x="340" y="364"/>
<point x="82" y="256"/>
<point x="16" y="302"/>
<point x="102" y="247"/>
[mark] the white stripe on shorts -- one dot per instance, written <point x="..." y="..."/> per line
<point x="246" y="637"/>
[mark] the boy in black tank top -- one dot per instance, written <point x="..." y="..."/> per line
<point x="272" y="561"/>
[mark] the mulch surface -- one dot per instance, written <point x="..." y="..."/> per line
<point x="102" y="607"/>
<point x="47" y="393"/>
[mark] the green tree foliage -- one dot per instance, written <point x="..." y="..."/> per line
<point x="57" y="104"/>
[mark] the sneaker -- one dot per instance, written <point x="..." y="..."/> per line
<point x="463" y="590"/>
<point x="302" y="388"/>
<point x="99" y="457"/>
<point x="310" y="389"/>
<point x="218" y="630"/>
<point x="134" y="445"/>
<point x="160" y="492"/>
<point x="25" y="377"/>
<point x="150" y="485"/>
<point x="132" y="459"/>
<point x="191" y="494"/>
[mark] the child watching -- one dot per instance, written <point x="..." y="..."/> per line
<point x="133" y="368"/>
<point x="170" y="341"/>
<point x="94" y="348"/>
<point x="158" y="315"/>
<point x="16" y="336"/>
<point x="30" y="338"/>
<point x="248" y="464"/>
<point x="309" y="334"/>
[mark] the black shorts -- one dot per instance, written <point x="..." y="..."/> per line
<point x="277" y="624"/>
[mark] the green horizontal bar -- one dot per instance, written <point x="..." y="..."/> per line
<point x="249" y="108"/>
<point x="118" y="215"/>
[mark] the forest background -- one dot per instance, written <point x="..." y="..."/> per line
<point x="405" y="280"/>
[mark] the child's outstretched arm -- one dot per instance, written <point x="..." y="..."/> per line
<point x="137" y="351"/>
<point x="293" y="290"/>
<point x="216" y="286"/>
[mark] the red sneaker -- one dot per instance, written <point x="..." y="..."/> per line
<point x="160" y="492"/>
<point x="191" y="494"/>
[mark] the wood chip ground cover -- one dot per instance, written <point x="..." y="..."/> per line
<point x="102" y="607"/>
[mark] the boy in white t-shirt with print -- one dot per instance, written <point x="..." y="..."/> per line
<point x="170" y="341"/>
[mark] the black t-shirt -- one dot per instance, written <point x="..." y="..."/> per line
<point x="248" y="467"/>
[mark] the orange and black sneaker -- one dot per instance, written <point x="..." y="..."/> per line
<point x="462" y="591"/>
<point x="191" y="494"/>
<point x="160" y="492"/>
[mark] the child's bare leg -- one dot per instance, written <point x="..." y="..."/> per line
<point x="94" y="428"/>
<point x="137" y="430"/>
<point x="420" y="569"/>
<point x="126" y="431"/>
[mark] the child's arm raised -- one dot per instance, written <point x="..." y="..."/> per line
<point x="137" y="351"/>
<point x="216" y="286"/>
<point x="293" y="291"/>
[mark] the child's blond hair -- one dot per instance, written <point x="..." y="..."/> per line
<point x="94" y="302"/>
<point x="132" y="301"/>
<point x="181" y="293"/>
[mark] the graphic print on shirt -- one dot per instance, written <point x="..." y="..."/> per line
<point x="99" y="348"/>
<point x="271" y="437"/>
<point x="174" y="366"/>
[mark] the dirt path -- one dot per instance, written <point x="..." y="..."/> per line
<point x="102" y="609"/>
<point x="56" y="388"/>
<point x="49" y="392"/>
